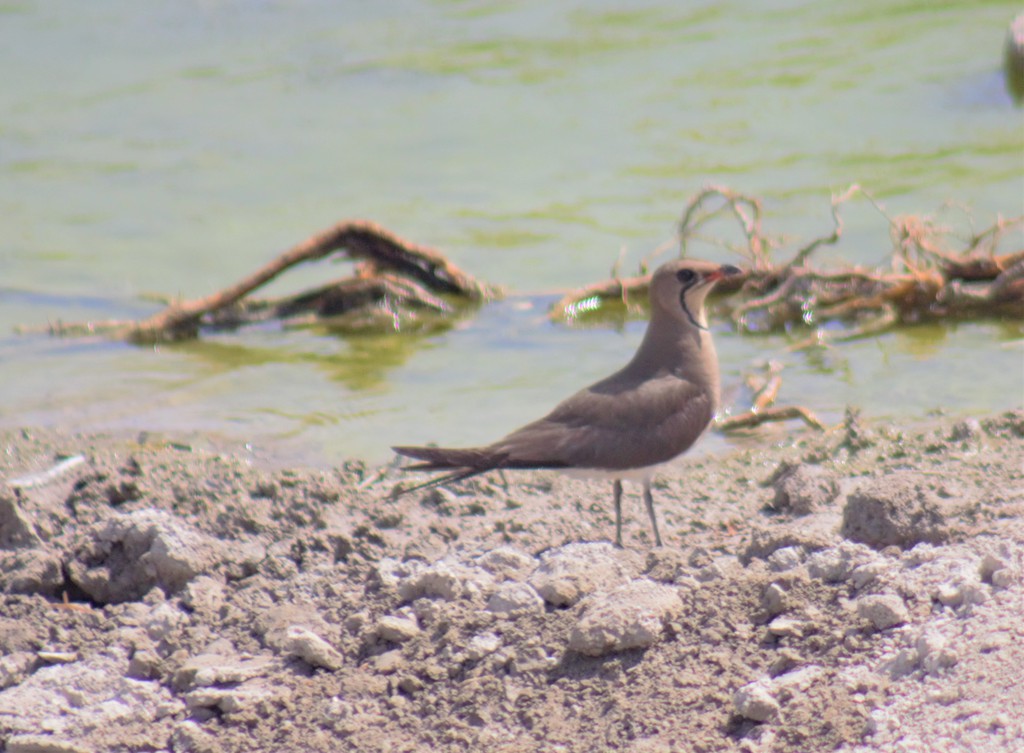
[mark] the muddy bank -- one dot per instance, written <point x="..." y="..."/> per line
<point x="853" y="591"/>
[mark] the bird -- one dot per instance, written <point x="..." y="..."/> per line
<point x="628" y="425"/>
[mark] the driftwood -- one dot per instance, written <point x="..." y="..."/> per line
<point x="765" y="389"/>
<point x="393" y="277"/>
<point x="926" y="280"/>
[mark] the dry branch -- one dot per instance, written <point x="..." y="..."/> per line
<point x="926" y="280"/>
<point x="392" y="272"/>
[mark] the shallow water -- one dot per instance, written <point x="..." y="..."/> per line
<point x="171" y="149"/>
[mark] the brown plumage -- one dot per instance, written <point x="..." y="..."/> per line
<point x="626" y="425"/>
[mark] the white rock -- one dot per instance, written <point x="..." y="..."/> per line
<point x="302" y="642"/>
<point x="447" y="579"/>
<point x="64" y="699"/>
<point x="787" y="627"/>
<point x="231" y="700"/>
<point x="480" y="646"/>
<point x="569" y="573"/>
<point x="630" y="616"/>
<point x="164" y="620"/>
<point x="754" y="701"/>
<point x="934" y="653"/>
<point x="515" y="599"/>
<point x="835" y="564"/>
<point x="785" y="558"/>
<point x="397" y="629"/>
<point x="883" y="610"/>
<point x="774" y="599"/>
<point x="507" y="563"/>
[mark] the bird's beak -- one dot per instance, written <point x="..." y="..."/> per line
<point x="726" y="270"/>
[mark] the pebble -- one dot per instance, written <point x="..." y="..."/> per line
<point x="837" y="564"/>
<point x="632" y="615"/>
<point x="774" y="599"/>
<point x="570" y="572"/>
<point x="447" y="579"/>
<point x="302" y="642"/>
<point x="515" y="599"/>
<point x="883" y="611"/>
<point x="507" y="563"/>
<point x="785" y="558"/>
<point x="754" y="701"/>
<point x="397" y="629"/>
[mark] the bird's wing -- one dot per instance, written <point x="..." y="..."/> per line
<point x="615" y="424"/>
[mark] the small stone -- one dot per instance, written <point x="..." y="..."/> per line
<point x="507" y="563"/>
<point x="390" y="662"/>
<point x="302" y="642"/>
<point x="836" y="564"/>
<point x="774" y="600"/>
<point x="447" y="579"/>
<point x="934" y="653"/>
<point x="480" y="646"/>
<point x="515" y="599"/>
<point x="16" y="529"/>
<point x="804" y="489"/>
<point x="397" y="629"/>
<point x="755" y="702"/>
<point x="883" y="610"/>
<point x="786" y="627"/>
<point x="785" y="558"/>
<point x="632" y="615"/>
<point x="570" y="572"/>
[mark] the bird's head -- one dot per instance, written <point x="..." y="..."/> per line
<point x="679" y="287"/>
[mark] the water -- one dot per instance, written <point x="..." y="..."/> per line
<point x="172" y="148"/>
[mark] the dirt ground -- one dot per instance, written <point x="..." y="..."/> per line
<point x="859" y="590"/>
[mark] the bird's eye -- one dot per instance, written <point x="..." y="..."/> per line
<point x="685" y="276"/>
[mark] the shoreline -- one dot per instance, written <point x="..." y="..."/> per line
<point x="849" y="591"/>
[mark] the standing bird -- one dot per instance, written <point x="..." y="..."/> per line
<point x="627" y="425"/>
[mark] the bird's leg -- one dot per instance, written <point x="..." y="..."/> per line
<point x="649" y="502"/>
<point x="617" y="491"/>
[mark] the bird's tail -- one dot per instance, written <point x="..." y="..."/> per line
<point x="463" y="464"/>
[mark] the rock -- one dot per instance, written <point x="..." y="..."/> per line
<point x="515" y="599"/>
<point x="218" y="666"/>
<point x="785" y="558"/>
<point x="164" y="620"/>
<point x="123" y="557"/>
<point x="16" y="529"/>
<point x="447" y="579"/>
<point x="15" y="667"/>
<point x="774" y="600"/>
<point x="804" y="488"/>
<point x="836" y="564"/>
<point x="507" y="563"/>
<point x="632" y="615"/>
<point x="397" y="629"/>
<point x="31" y="571"/>
<point x="883" y="610"/>
<point x="65" y="699"/>
<point x="570" y="572"/>
<point x="766" y="541"/>
<point x="895" y="510"/>
<point x="754" y="701"/>
<point x="312" y="649"/>
<point x="934" y="653"/>
<point x="204" y="594"/>
<point x="245" y="697"/>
